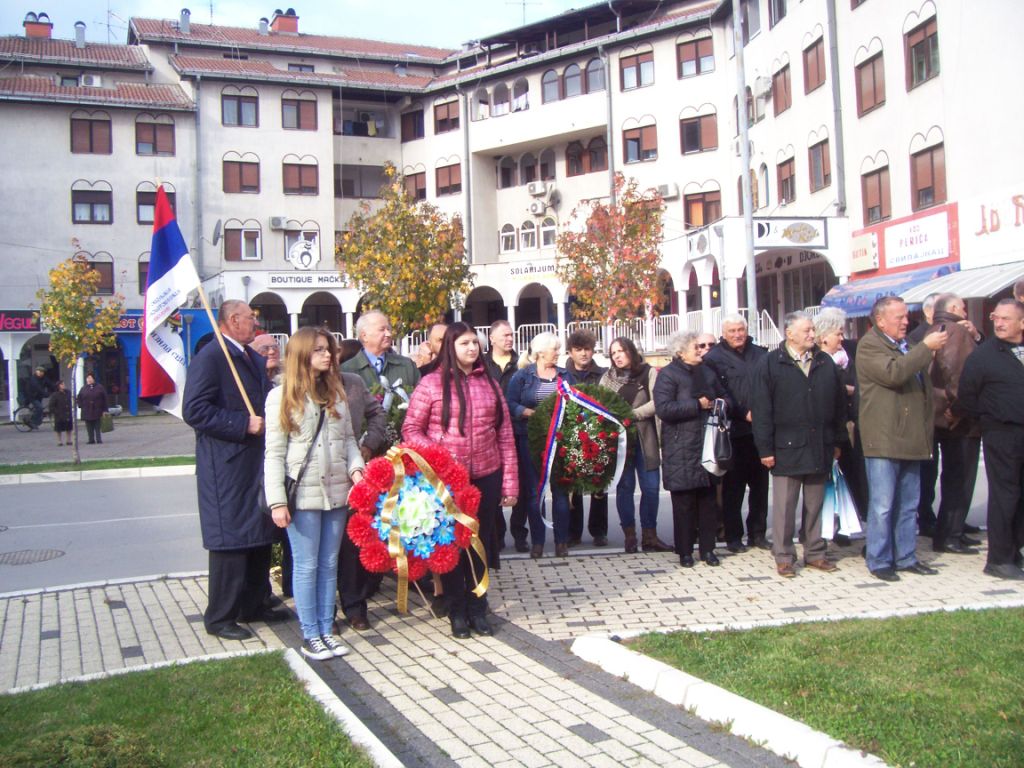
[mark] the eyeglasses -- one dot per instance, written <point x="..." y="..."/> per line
<point x="706" y="345"/>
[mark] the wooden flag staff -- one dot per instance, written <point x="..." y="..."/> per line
<point x="224" y="349"/>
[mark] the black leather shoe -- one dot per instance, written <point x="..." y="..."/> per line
<point x="735" y="547"/>
<point x="600" y="541"/>
<point x="1005" y="571"/>
<point x="886" y="574"/>
<point x="711" y="559"/>
<point x="760" y="542"/>
<point x="954" y="548"/>
<point x="522" y="546"/>
<point x="480" y="625"/>
<point x="269" y="616"/>
<point x="460" y="628"/>
<point x="686" y="561"/>
<point x="920" y="569"/>
<point x="230" y="632"/>
<point x="968" y="541"/>
<point x="968" y="528"/>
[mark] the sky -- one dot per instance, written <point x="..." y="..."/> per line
<point x="440" y="23"/>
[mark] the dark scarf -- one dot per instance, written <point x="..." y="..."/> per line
<point x="629" y="383"/>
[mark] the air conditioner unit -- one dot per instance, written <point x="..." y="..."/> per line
<point x="668" y="191"/>
<point x="536" y="188"/>
<point x="278" y="222"/>
<point x="537" y="208"/>
<point x="92" y="81"/>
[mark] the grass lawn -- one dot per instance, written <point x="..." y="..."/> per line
<point x="941" y="689"/>
<point x="248" y="711"/>
<point x="67" y="466"/>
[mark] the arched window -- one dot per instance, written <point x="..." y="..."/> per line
<point x="143" y="272"/>
<point x="549" y="90"/>
<point x="547" y="165"/>
<point x="597" y="154"/>
<point x="527" y="168"/>
<point x="548" y="233"/>
<point x="595" y="75"/>
<point x="572" y="81"/>
<point x="506" y="173"/>
<point x="520" y="95"/>
<point x="527" y="236"/>
<point x="507" y="239"/>
<point x="500" y="105"/>
<point x="574" y="159"/>
<point x="481" y="105"/>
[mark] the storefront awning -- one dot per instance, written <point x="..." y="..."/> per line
<point x="856" y="297"/>
<point x="979" y="283"/>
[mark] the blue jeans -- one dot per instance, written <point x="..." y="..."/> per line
<point x="894" y="490"/>
<point x="650" y="487"/>
<point x="528" y="479"/>
<point x="315" y="538"/>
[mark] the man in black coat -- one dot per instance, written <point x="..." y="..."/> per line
<point x="991" y="389"/>
<point x="799" y="423"/>
<point x="733" y="362"/>
<point x="229" y="473"/>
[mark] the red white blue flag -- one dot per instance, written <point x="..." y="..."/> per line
<point x="172" y="276"/>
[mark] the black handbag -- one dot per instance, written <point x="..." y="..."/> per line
<point x="291" y="485"/>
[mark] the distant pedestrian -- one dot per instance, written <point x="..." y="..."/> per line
<point x="37" y="390"/>
<point x="60" y="410"/>
<point x="92" y="399"/>
<point x="267" y="347"/>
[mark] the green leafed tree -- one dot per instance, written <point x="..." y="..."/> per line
<point x="407" y="257"/>
<point x="609" y="254"/>
<point x="78" y="321"/>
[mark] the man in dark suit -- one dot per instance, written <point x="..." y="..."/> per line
<point x="229" y="473"/>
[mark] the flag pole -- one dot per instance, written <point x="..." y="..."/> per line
<point x="224" y="349"/>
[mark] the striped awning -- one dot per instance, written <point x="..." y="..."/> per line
<point x="978" y="283"/>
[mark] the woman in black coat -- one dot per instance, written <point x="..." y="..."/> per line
<point x="684" y="392"/>
<point x="60" y="409"/>
<point x="92" y="399"/>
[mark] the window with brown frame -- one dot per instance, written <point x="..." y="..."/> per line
<point x="143" y="275"/>
<point x="819" y="165"/>
<point x="239" y="111"/>
<point x="574" y="159"/>
<point x="299" y="179"/>
<point x="412" y="125"/>
<point x="636" y="71"/>
<point x="698" y="134"/>
<point x="640" y="144"/>
<point x="298" y="114"/>
<point x="597" y="155"/>
<point x="105" y="287"/>
<point x="782" y="92"/>
<point x="787" y="181"/>
<point x="546" y="161"/>
<point x="696" y="57"/>
<point x="814" y="66"/>
<point x="448" y="179"/>
<point x="416" y="185"/>
<point x="154" y="138"/>
<point x="241" y="176"/>
<point x="928" y="177"/>
<point x="92" y="206"/>
<point x="145" y="206"/>
<point x="870" y="84"/>
<point x="446" y="117"/>
<point x="875" y="194"/>
<point x="550" y="87"/>
<point x="776" y="12"/>
<point x="90" y="137"/>
<point x="572" y="81"/>
<point x="703" y="208"/>
<point x="922" y="52"/>
<point x="595" y="76"/>
<point x="242" y="244"/>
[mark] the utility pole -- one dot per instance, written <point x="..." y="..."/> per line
<point x="743" y="117"/>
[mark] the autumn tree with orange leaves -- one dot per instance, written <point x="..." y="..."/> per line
<point x="406" y="256"/>
<point x="611" y="266"/>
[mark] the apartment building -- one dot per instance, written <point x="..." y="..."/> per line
<point x="879" y="138"/>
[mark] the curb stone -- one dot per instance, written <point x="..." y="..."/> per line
<point x="782" y="735"/>
<point x="174" y="470"/>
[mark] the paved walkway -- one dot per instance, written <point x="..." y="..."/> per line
<point x="519" y="698"/>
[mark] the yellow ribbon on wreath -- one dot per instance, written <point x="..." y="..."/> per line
<point x="395" y="548"/>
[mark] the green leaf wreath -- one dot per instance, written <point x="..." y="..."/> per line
<point x="586" y="444"/>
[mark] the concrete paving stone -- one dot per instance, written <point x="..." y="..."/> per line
<point x="474" y="761"/>
<point x="454" y="748"/>
<point x="491" y="752"/>
<point x="693" y="757"/>
<point x="654" y="752"/>
<point x="566" y="759"/>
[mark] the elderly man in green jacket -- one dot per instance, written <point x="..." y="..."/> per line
<point x="376" y="359"/>
<point x="896" y="425"/>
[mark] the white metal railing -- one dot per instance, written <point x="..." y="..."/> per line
<point x="282" y="341"/>
<point x="524" y="333"/>
<point x="662" y="327"/>
<point x="693" y="321"/>
<point x="596" y="327"/>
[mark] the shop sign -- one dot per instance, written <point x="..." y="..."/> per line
<point x="20" y="320"/>
<point x="992" y="228"/>
<point x="531" y="270"/>
<point x="864" y="252"/>
<point x="768" y="263"/>
<point x="129" y="324"/>
<point x="789" y="233"/>
<point x="306" y="280"/>
<point x="917" y="241"/>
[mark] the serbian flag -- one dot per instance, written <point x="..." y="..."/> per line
<point x="172" y="276"/>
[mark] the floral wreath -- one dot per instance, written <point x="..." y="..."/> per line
<point x="415" y="510"/>
<point x="576" y="434"/>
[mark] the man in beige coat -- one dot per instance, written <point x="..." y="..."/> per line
<point x="896" y="424"/>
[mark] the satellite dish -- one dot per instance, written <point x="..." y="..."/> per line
<point x="216" y="232"/>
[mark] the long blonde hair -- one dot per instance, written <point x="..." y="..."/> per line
<point x="301" y="381"/>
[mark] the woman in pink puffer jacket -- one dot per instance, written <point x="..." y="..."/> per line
<point x="458" y="405"/>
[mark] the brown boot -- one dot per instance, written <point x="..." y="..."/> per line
<point x="630" y="531"/>
<point x="651" y="542"/>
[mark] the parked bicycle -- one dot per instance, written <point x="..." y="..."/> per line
<point x="25" y="416"/>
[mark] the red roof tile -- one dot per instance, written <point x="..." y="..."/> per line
<point x="264" y="70"/>
<point x="34" y="88"/>
<point x="64" y="51"/>
<point x="147" y="30"/>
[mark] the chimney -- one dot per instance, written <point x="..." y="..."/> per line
<point x="37" y="26"/>
<point x="264" y="26"/>
<point x="286" y="23"/>
<point x="184" y="25"/>
<point x="79" y="34"/>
